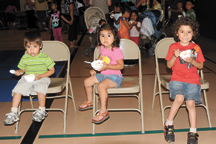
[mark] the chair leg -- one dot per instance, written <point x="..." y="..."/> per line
<point x="17" y="123"/>
<point x="71" y="90"/>
<point x="94" y="109"/>
<point x="207" y="109"/>
<point x="141" y="109"/>
<point x="154" y="91"/>
<point x="161" y="103"/>
<point x="65" y="113"/>
<point x="31" y="101"/>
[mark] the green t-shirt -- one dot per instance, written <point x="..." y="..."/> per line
<point x="36" y="65"/>
<point x="191" y="14"/>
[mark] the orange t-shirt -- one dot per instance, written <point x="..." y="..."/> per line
<point x="181" y="70"/>
<point x="123" y="31"/>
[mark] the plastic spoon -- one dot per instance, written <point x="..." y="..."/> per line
<point x="87" y="62"/>
<point x="13" y="72"/>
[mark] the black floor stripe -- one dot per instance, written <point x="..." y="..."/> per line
<point x="35" y="126"/>
<point x="210" y="60"/>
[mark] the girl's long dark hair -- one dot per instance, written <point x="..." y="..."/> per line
<point x="114" y="31"/>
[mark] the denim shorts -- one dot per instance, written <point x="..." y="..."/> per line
<point x="189" y="91"/>
<point x="114" y="78"/>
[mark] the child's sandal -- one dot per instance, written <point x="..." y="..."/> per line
<point x="104" y="115"/>
<point x="86" y="106"/>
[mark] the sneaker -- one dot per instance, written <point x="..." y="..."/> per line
<point x="192" y="138"/>
<point x="169" y="133"/>
<point x="39" y="115"/>
<point x="11" y="118"/>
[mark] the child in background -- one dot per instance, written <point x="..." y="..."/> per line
<point x="190" y="12"/>
<point x="39" y="64"/>
<point x="124" y="25"/>
<point x="116" y="14"/>
<point x="134" y="32"/>
<point x="94" y="34"/>
<point x="185" y="82"/>
<point x="55" y="21"/>
<point x="110" y="75"/>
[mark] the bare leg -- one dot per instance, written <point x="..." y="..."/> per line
<point x="40" y="25"/>
<point x="73" y="44"/>
<point x="192" y="112"/>
<point x="88" y="83"/>
<point x="41" y="99"/>
<point x="102" y="90"/>
<point x="179" y="99"/>
<point x="16" y="100"/>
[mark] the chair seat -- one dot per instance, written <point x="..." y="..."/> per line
<point x="129" y="85"/>
<point x="204" y="84"/>
<point x="56" y="85"/>
<point x="165" y="79"/>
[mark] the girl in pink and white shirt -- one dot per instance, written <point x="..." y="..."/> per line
<point x="134" y="31"/>
<point x="110" y="76"/>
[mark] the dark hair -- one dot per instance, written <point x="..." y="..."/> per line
<point x="192" y="1"/>
<point x="188" y="22"/>
<point x="136" y="12"/>
<point x="54" y="2"/>
<point x="32" y="37"/>
<point x="101" y="20"/>
<point x="126" y="9"/>
<point x="114" y="31"/>
<point x="151" y="4"/>
<point x="118" y="4"/>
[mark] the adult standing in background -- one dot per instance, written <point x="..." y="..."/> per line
<point x="10" y="14"/>
<point x="41" y="8"/>
<point x="103" y="5"/>
<point x="143" y="4"/>
<point x="30" y="10"/>
<point x="72" y="15"/>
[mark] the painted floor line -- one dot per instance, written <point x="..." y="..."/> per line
<point x="10" y="137"/>
<point x="119" y="133"/>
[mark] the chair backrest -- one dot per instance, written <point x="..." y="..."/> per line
<point x="57" y="51"/>
<point x="162" y="47"/>
<point x="161" y="51"/>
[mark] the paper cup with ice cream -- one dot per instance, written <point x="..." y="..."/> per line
<point x="30" y="77"/>
<point x="97" y="64"/>
<point x="185" y="54"/>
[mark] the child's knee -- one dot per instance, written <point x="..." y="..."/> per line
<point x="41" y="94"/>
<point x="101" y="86"/>
<point x="179" y="99"/>
<point x="190" y="104"/>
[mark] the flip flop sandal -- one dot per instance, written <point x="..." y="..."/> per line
<point x="86" y="106"/>
<point x="104" y="118"/>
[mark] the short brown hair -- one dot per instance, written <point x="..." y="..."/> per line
<point x="32" y="36"/>
<point x="188" y="22"/>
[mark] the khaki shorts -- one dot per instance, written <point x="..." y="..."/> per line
<point x="26" y="88"/>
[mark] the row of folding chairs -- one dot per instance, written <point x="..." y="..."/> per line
<point x="130" y="87"/>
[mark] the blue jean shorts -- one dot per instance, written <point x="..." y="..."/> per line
<point x="189" y="91"/>
<point x="114" y="78"/>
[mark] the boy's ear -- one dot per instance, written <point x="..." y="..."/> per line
<point x="41" y="46"/>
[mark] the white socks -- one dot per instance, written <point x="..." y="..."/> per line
<point x="169" y="122"/>
<point x="14" y="109"/>
<point x="193" y="130"/>
<point x="41" y="108"/>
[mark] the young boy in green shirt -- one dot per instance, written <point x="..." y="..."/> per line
<point x="190" y="12"/>
<point x="39" y="64"/>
